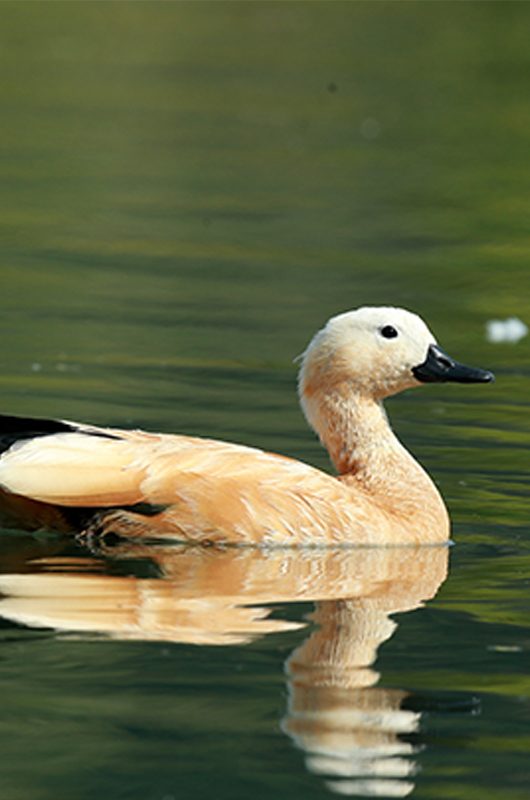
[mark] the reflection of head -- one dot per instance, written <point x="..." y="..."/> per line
<point x="349" y="729"/>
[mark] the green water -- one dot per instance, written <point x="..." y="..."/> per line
<point x="188" y="191"/>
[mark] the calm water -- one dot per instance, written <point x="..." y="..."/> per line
<point x="187" y="192"/>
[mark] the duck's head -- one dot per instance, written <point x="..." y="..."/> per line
<point x="378" y="352"/>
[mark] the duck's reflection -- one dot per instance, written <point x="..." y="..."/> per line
<point x="350" y="730"/>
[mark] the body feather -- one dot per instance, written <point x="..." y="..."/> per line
<point x="209" y="490"/>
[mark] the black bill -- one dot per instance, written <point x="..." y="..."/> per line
<point x="438" y="366"/>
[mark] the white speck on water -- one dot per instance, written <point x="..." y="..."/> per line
<point x="509" y="330"/>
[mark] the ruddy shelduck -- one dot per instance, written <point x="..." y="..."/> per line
<point x="74" y="477"/>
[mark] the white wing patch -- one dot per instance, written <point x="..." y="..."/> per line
<point x="72" y="469"/>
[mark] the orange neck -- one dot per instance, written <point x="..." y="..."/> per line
<point x="368" y="456"/>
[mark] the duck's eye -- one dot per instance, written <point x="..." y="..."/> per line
<point x="388" y="332"/>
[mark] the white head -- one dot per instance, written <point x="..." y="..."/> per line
<point x="376" y="352"/>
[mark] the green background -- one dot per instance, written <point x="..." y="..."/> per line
<point x="187" y="192"/>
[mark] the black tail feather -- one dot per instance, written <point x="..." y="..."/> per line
<point x="16" y="429"/>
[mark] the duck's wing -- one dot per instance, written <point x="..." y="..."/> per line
<point x="67" y="464"/>
<point x="79" y="465"/>
<point x="208" y="489"/>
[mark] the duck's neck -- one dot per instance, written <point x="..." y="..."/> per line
<point x="355" y="432"/>
<point x="367" y="454"/>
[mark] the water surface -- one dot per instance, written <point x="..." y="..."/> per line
<point x="188" y="192"/>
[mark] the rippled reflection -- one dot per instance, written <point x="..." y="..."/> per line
<point x="349" y="729"/>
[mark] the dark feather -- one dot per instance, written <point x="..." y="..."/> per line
<point x="15" y="429"/>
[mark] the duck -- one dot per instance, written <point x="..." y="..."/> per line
<point x="132" y="484"/>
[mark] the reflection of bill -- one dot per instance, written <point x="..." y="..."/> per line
<point x="349" y="728"/>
